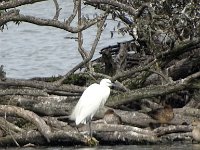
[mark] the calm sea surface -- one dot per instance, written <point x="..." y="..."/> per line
<point x="28" y="50"/>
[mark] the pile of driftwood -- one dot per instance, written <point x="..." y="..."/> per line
<point x="158" y="73"/>
<point x="31" y="109"/>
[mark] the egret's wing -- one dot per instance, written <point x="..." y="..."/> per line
<point x="83" y="101"/>
<point x="90" y="101"/>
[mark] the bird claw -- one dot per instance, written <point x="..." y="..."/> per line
<point x="91" y="141"/>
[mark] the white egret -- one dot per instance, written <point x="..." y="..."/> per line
<point x="91" y="100"/>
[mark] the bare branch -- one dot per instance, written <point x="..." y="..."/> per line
<point x="90" y="55"/>
<point x="73" y="15"/>
<point x="14" y="15"/>
<point x="115" y="3"/>
<point x="132" y="71"/>
<point x="13" y="4"/>
<point x="80" y="35"/>
<point x="57" y="10"/>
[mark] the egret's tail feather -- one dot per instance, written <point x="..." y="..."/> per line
<point x="80" y="120"/>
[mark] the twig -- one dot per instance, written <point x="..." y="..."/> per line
<point x="57" y="10"/>
<point x="13" y="138"/>
<point x="73" y="15"/>
<point x="80" y="35"/>
<point x="115" y="3"/>
<point x="132" y="71"/>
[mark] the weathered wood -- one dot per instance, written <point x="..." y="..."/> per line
<point x="172" y="129"/>
<point x="31" y="92"/>
<point x="51" y="105"/>
<point x="7" y="126"/>
<point x="46" y="86"/>
<point x="28" y="115"/>
<point x="160" y="63"/>
<point x="151" y="91"/>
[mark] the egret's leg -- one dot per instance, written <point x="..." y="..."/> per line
<point x="77" y="129"/>
<point x="90" y="129"/>
<point x="91" y="141"/>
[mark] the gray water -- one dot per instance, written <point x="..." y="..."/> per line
<point x="29" y="50"/>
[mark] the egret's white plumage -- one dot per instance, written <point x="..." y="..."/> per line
<point x="91" y="100"/>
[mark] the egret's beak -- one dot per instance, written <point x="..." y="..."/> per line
<point x="117" y="87"/>
<point x="114" y="85"/>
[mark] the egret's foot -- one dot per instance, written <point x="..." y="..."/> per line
<point x="91" y="141"/>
